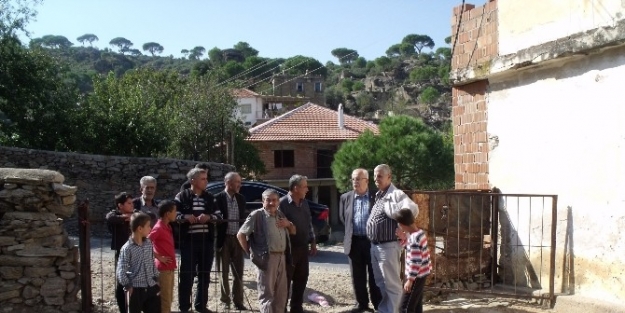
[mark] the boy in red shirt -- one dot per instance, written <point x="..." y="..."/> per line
<point x="162" y="238"/>
<point x="418" y="264"/>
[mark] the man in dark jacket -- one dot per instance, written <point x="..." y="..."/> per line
<point x="196" y="211"/>
<point x="146" y="202"/>
<point x="229" y="253"/>
<point x="118" y="223"/>
<point x="295" y="207"/>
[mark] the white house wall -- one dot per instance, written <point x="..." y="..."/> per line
<point x="560" y="129"/>
<point x="531" y="22"/>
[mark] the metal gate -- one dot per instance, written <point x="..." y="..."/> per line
<point x="491" y="243"/>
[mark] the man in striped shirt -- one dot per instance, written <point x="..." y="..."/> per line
<point x="196" y="209"/>
<point x="383" y="233"/>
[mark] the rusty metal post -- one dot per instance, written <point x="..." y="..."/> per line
<point x="552" y="258"/>
<point x="84" y="245"/>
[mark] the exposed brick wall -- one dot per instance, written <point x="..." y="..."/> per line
<point x="477" y="45"/>
<point x="469" y="117"/>
<point x="477" y="41"/>
<point x="305" y="158"/>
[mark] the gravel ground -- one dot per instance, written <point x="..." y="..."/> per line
<point x="333" y="282"/>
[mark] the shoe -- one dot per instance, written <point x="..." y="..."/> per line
<point x="240" y="307"/>
<point x="204" y="310"/>
<point x="360" y="309"/>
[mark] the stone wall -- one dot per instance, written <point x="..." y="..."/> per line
<point x="38" y="264"/>
<point x="99" y="178"/>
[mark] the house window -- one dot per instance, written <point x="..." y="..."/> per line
<point x="317" y="86"/>
<point x="245" y="108"/>
<point x="283" y="158"/>
<point x="299" y="87"/>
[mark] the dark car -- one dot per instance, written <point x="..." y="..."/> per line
<point x="253" y="190"/>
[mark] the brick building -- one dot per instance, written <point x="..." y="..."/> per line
<point x="303" y="141"/>
<point x="537" y="108"/>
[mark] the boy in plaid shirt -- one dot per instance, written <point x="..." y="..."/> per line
<point x="418" y="264"/>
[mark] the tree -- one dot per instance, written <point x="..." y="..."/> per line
<point x="429" y="95"/>
<point x="419" y="156"/>
<point x="121" y="43"/>
<point x="153" y="48"/>
<point x="443" y="53"/>
<point x="135" y="52"/>
<point x="196" y="53"/>
<point x="15" y="15"/>
<point x="184" y="52"/>
<point x="245" y="49"/>
<point x="300" y="65"/>
<point x="406" y="49"/>
<point x="216" y="56"/>
<point x="37" y="98"/>
<point x="345" y="56"/>
<point x="90" y="38"/>
<point x="55" y="42"/>
<point x="360" y="63"/>
<point x="419" y="41"/>
<point x="423" y="74"/>
<point x="393" y="51"/>
<point x="383" y="62"/>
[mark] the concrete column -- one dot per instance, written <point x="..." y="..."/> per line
<point x="334" y="207"/>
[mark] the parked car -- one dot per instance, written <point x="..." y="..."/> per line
<point x="253" y="190"/>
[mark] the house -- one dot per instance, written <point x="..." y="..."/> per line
<point x="254" y="108"/>
<point x="303" y="141"/>
<point x="308" y="85"/>
<point x="537" y="108"/>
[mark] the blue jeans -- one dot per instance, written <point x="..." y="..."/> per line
<point x="385" y="260"/>
<point x="196" y="253"/>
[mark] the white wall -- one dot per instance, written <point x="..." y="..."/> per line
<point x="561" y="131"/>
<point x="526" y="23"/>
<point x="257" y="106"/>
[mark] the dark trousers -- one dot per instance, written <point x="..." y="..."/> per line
<point x="362" y="273"/>
<point x="230" y="256"/>
<point x="145" y="300"/>
<point x="297" y="277"/>
<point x="195" y="254"/>
<point x="120" y="297"/>
<point x="413" y="302"/>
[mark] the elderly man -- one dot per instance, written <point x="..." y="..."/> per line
<point x="295" y="208"/>
<point x="146" y="202"/>
<point x="196" y="208"/>
<point x="232" y="206"/>
<point x="266" y="233"/>
<point x="354" y="209"/>
<point x="382" y="231"/>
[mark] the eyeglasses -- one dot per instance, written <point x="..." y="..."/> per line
<point x="358" y="178"/>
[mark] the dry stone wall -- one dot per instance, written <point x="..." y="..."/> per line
<point x="38" y="263"/>
<point x="99" y="178"/>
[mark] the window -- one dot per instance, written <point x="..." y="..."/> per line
<point x="317" y="86"/>
<point x="283" y="158"/>
<point x="245" y="108"/>
<point x="299" y="87"/>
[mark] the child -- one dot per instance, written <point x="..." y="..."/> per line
<point x="162" y="238"/>
<point x="417" y="261"/>
<point x="118" y="222"/>
<point x="136" y="270"/>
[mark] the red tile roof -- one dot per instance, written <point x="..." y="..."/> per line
<point x="244" y="93"/>
<point x="310" y="122"/>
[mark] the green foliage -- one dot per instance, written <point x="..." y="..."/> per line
<point x="419" y="156"/>
<point x="393" y="51"/>
<point x="448" y="40"/>
<point x="406" y="49"/>
<point x="216" y="56"/>
<point x="246" y="156"/>
<point x="345" y="56"/>
<point x="245" y="49"/>
<point x="333" y="96"/>
<point x="153" y="48"/>
<point x="358" y="86"/>
<point x="383" y="62"/>
<point x="196" y="53"/>
<point x="365" y="103"/>
<point x="90" y="38"/>
<point x="37" y="98"/>
<point x="419" y="41"/>
<point x="429" y="95"/>
<point x="52" y="42"/>
<point x="347" y="85"/>
<point x="121" y="43"/>
<point x="15" y="15"/>
<point x="231" y="69"/>
<point x="424" y="74"/>
<point x="300" y="65"/>
<point x="360" y="63"/>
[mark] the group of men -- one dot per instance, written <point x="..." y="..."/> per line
<point x="209" y="224"/>
<point x="279" y="238"/>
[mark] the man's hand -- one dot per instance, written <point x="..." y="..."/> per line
<point x="190" y="218"/>
<point x="126" y="216"/>
<point x="408" y="285"/>
<point x="203" y="218"/>
<point x="165" y="259"/>
<point x="313" y="249"/>
<point x="283" y="223"/>
<point x="401" y="236"/>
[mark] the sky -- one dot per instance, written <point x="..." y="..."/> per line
<point x="276" y="28"/>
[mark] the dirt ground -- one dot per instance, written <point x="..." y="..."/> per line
<point x="334" y="284"/>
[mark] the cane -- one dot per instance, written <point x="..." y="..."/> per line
<point x="127" y="295"/>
